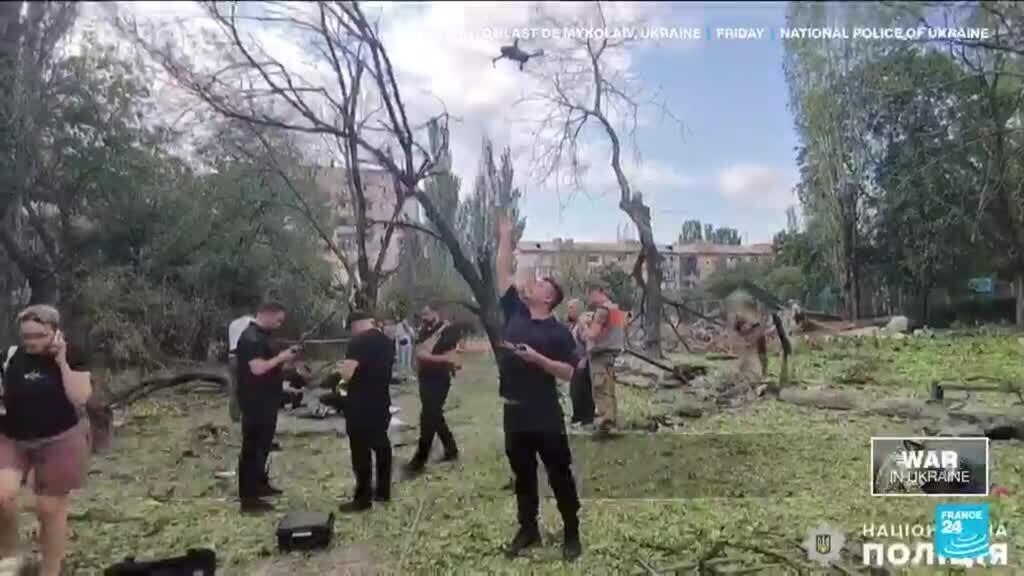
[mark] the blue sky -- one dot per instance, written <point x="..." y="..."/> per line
<point x="732" y="165"/>
<point x="731" y="97"/>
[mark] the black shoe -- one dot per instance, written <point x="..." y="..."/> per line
<point x="571" y="546"/>
<point x="269" y="492"/>
<point x="356" y="506"/>
<point x="450" y="456"/>
<point x="275" y="447"/>
<point x="524" y="538"/>
<point x="382" y="498"/>
<point x="256" y="506"/>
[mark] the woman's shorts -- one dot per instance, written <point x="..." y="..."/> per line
<point x="58" y="463"/>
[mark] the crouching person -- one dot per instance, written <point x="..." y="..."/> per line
<point x="45" y="389"/>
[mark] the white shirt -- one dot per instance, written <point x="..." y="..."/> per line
<point x="401" y="332"/>
<point x="235" y="329"/>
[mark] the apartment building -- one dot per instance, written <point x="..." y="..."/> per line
<point x="684" y="266"/>
<point x="379" y="192"/>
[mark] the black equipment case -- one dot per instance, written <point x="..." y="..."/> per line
<point x="202" y="562"/>
<point x="305" y="531"/>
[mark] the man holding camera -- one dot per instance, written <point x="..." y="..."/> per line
<point x="260" y="392"/>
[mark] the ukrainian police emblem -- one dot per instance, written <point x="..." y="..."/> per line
<point x="824" y="544"/>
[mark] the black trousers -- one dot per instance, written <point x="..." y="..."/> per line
<point x="433" y="394"/>
<point x="370" y="445"/>
<point x="259" y="423"/>
<point x="581" y="393"/>
<point x="523" y="447"/>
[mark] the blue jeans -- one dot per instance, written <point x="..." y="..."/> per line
<point x="404" y="358"/>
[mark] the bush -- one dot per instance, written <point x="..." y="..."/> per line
<point x="970" y="311"/>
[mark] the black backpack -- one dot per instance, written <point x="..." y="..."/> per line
<point x="195" y="562"/>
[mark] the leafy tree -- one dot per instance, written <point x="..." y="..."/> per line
<point x="617" y="282"/>
<point x="692" y="232"/>
<point x="792" y="222"/>
<point x="922" y="219"/>
<point x="493" y="191"/>
<point x="726" y="236"/>
<point x="424" y="261"/>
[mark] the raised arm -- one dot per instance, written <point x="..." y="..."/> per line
<point x="75" y="375"/>
<point x="504" y="259"/>
<point x="596" y="325"/>
<point x="446" y="339"/>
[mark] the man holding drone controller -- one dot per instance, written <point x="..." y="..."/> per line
<point x="537" y="350"/>
<point x="260" y="393"/>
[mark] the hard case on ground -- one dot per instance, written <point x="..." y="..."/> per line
<point x="305" y="531"/>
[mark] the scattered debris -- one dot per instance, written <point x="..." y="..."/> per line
<point x="900" y="408"/>
<point x="939" y="389"/>
<point x="826" y="398"/>
<point x="898" y="325"/>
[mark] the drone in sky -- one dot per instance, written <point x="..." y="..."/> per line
<point x="516" y="54"/>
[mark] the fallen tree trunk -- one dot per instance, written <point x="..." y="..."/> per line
<point x="100" y="408"/>
<point x="152" y="385"/>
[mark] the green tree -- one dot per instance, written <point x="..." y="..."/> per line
<point x="922" y="217"/>
<point x="833" y="116"/>
<point x="726" y="236"/>
<point x="692" y="232"/>
<point x="618" y="282"/>
<point x="494" y="192"/>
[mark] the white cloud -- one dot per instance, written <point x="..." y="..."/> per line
<point x="443" y="52"/>
<point x="759" y="185"/>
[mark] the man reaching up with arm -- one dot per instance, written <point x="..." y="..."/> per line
<point x="537" y="350"/>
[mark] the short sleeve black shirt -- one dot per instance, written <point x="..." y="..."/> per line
<point x="532" y="392"/>
<point x="446" y="342"/>
<point x="263" y="392"/>
<point x="34" y="397"/>
<point x="369" y="395"/>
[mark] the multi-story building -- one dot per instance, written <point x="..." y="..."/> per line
<point x="379" y="193"/>
<point x="684" y="265"/>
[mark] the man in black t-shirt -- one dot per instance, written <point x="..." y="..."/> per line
<point x="369" y="361"/>
<point x="260" y="382"/>
<point x="436" y="363"/>
<point x="537" y="349"/>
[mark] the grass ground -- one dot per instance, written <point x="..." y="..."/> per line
<point x="760" y="475"/>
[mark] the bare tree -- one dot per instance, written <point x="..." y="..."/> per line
<point x="251" y="86"/>
<point x="582" y="89"/>
<point x="359" y="108"/>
